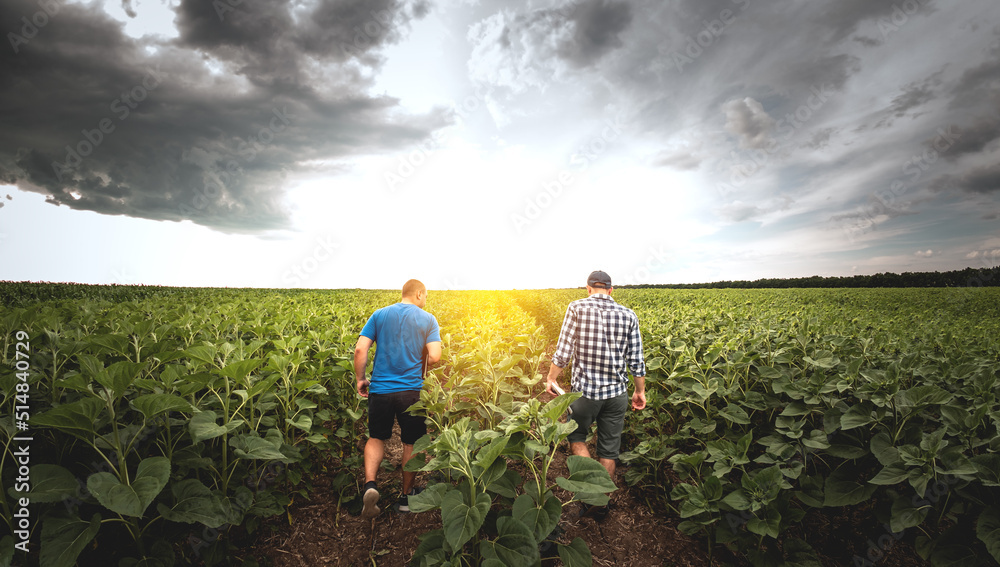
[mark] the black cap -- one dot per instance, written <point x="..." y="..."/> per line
<point x="599" y="279"/>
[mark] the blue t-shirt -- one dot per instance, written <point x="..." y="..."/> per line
<point x="400" y="332"/>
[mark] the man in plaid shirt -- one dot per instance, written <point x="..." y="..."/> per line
<point x="601" y="337"/>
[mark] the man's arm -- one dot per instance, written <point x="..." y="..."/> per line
<point x="638" y="366"/>
<point x="639" y="397"/>
<point x="361" y="364"/>
<point x="433" y="352"/>
<point x="564" y="351"/>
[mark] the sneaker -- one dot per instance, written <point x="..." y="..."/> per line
<point x="371" y="508"/>
<point x="403" y="503"/>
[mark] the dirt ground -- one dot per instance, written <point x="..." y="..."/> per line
<point x="318" y="533"/>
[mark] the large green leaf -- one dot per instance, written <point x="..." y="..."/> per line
<point x="586" y="476"/>
<point x="858" y="415"/>
<point x="988" y="530"/>
<point x="921" y="396"/>
<point x="429" y="499"/>
<point x="506" y="485"/>
<point x="735" y="414"/>
<point x="119" y="376"/>
<point x="576" y="554"/>
<point x="194" y="502"/>
<point x="250" y="446"/>
<point x="843" y="489"/>
<point x="203" y="426"/>
<point x="304" y="422"/>
<point x="906" y="514"/>
<point x="884" y="450"/>
<point x="236" y="506"/>
<point x="541" y="519"/>
<point x="49" y="483"/>
<point x="811" y="492"/>
<point x="152" y="405"/>
<point x="202" y="353"/>
<point x="514" y="546"/>
<point x="77" y="418"/>
<point x="556" y="407"/>
<point x="431" y="550"/>
<point x="131" y="499"/>
<point x="489" y="453"/>
<point x="238" y="371"/>
<point x="890" y="475"/>
<point x="460" y="520"/>
<point x="987" y="468"/>
<point x="64" y="538"/>
<point x="954" y="463"/>
<point x="767" y="522"/>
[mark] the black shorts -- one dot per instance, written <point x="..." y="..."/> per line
<point x="384" y="409"/>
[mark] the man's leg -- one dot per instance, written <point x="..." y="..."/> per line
<point x="608" y="464"/>
<point x="408" y="476"/>
<point x="411" y="428"/>
<point x="581" y="449"/>
<point x="374" y="453"/>
<point x="379" y="430"/>
<point x="610" y="423"/>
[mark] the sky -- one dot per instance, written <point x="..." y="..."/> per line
<point x="495" y="145"/>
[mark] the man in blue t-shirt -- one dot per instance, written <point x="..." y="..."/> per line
<point x="408" y="339"/>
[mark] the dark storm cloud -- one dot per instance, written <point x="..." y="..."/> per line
<point x="972" y="139"/>
<point x="982" y="180"/>
<point x="207" y="127"/>
<point x="597" y="26"/>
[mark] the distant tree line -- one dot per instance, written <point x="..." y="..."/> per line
<point x="969" y="277"/>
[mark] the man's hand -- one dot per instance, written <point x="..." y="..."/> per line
<point x="639" y="400"/>
<point x="363" y="388"/>
<point x="552" y="387"/>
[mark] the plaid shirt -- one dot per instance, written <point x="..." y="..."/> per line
<point x="600" y="337"/>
